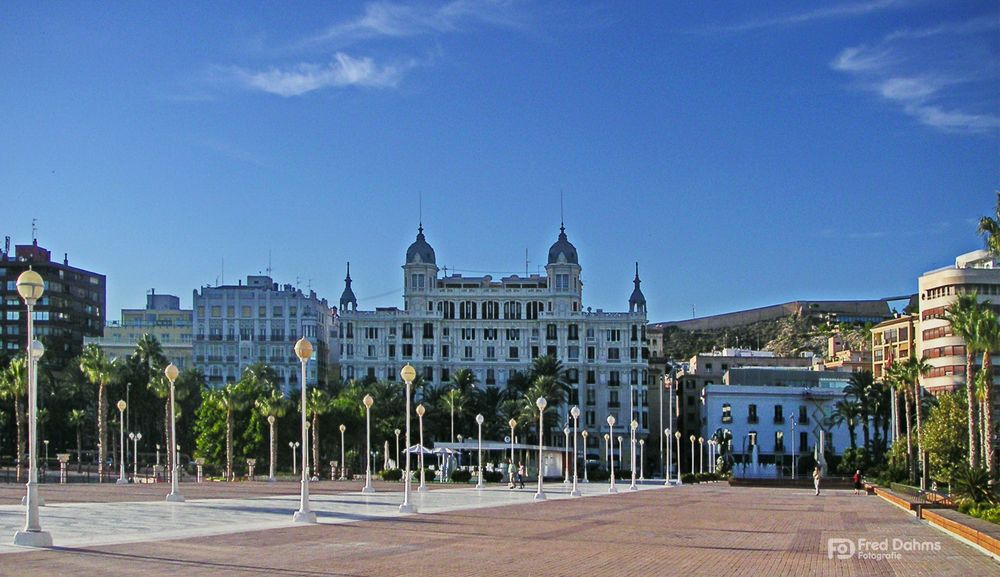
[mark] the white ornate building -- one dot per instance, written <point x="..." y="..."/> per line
<point x="497" y="327"/>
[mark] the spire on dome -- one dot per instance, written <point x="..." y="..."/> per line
<point x="563" y="248"/>
<point x="347" y="297"/>
<point x="637" y="301"/>
<point x="420" y="252"/>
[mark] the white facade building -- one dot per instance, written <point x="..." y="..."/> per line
<point x="780" y="410"/>
<point x="497" y="327"/>
<point x="236" y="326"/>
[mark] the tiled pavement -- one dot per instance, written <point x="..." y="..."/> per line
<point x="688" y="531"/>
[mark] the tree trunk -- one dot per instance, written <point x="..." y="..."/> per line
<point x="315" y="445"/>
<point x="229" y="445"/>
<point x="102" y="433"/>
<point x="865" y="435"/>
<point x="911" y="464"/>
<point x="19" y="418"/>
<point x="970" y="389"/>
<point x="79" y="450"/>
<point x="916" y="407"/>
<point x="988" y="452"/>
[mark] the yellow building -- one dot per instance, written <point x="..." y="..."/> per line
<point x="162" y="318"/>
<point x="893" y="340"/>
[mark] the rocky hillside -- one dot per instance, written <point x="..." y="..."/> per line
<point x="789" y="336"/>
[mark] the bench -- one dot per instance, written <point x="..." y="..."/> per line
<point x="976" y="531"/>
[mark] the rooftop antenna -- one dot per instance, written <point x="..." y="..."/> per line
<point x="34" y="230"/>
<point x="269" y="262"/>
<point x="223" y="270"/>
<point x="420" y="209"/>
<point x="562" y="221"/>
<point x="692" y="311"/>
<point x="526" y="261"/>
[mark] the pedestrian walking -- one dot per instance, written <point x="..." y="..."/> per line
<point x="520" y="475"/>
<point x="857" y="482"/>
<point x="510" y="474"/>
<point x="816" y="477"/>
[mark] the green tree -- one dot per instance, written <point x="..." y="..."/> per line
<point x="75" y="419"/>
<point x="229" y="399"/>
<point x="945" y="436"/>
<point x="273" y="405"/>
<point x="14" y="386"/>
<point x="965" y="317"/>
<point x="847" y="412"/>
<point x="463" y="382"/>
<point x="990" y="229"/>
<point x="98" y="370"/>
<point x="317" y="403"/>
<point x="988" y="333"/>
<point x="912" y="371"/>
<point x="861" y="390"/>
<point x="896" y="376"/>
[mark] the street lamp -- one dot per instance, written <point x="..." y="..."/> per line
<point x="408" y="373"/>
<point x="633" y="426"/>
<point x="512" y="423"/>
<point x="479" y="421"/>
<point x="584" y="434"/>
<point x="701" y="455"/>
<point x="575" y="413"/>
<point x="122" y="479"/>
<point x="607" y="448"/>
<point x="273" y="450"/>
<point x="666" y="472"/>
<point x="368" y="402"/>
<point x="31" y="286"/>
<point x="293" y="445"/>
<point x="795" y="447"/>
<point x="45" y="464"/>
<point x="540" y="402"/>
<point x="135" y="438"/>
<point x="174" y="496"/>
<point x="692" y="454"/>
<point x="609" y="440"/>
<point x="566" y="453"/>
<point x="420" y="459"/>
<point x="304" y="350"/>
<point x="642" y="475"/>
<point x="397" y="431"/>
<point x="677" y="436"/>
<point x="343" y="463"/>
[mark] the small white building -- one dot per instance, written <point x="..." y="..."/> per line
<point x="781" y="411"/>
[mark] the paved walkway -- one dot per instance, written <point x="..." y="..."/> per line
<point x="693" y="530"/>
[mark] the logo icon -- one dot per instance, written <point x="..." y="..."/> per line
<point x="839" y="548"/>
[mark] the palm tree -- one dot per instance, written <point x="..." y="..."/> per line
<point x="896" y="376"/>
<point x="847" y="412"/>
<point x="913" y="369"/>
<point x="462" y="381"/>
<point x="273" y="405"/>
<point x="14" y="385"/>
<point x="75" y="420"/>
<point x="487" y="402"/>
<point x="99" y="371"/>
<point x="554" y="393"/>
<point x="861" y="388"/>
<point x="989" y="341"/>
<point x="990" y="229"/>
<point x="964" y="315"/>
<point x="317" y="403"/>
<point x="230" y="399"/>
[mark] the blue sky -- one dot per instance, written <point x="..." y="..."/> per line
<point x="745" y="153"/>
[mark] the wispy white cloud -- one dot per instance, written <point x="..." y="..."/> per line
<point x="390" y="19"/>
<point x="343" y="70"/>
<point x="943" y="76"/>
<point x="826" y="13"/>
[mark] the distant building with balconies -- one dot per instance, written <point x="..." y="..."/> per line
<point x="163" y="318"/>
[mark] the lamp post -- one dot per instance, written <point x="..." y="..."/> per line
<point x="677" y="436"/>
<point x="45" y="463"/>
<point x="174" y="496"/>
<point x="642" y="475"/>
<point x="293" y="445"/>
<point x="666" y="472"/>
<point x="273" y="450"/>
<point x="540" y="402"/>
<point x="420" y="459"/>
<point x="575" y="413"/>
<point x="479" y="421"/>
<point x="122" y="479"/>
<point x="31" y="286"/>
<point x="304" y="350"/>
<point x="135" y="437"/>
<point x="584" y="434"/>
<point x="368" y="402"/>
<point x="692" y="454"/>
<point x="343" y="462"/>
<point x="607" y="448"/>
<point x="795" y="448"/>
<point x="566" y="453"/>
<point x="633" y="426"/>
<point x="397" y="431"/>
<point x="609" y="440"/>
<point x="701" y="455"/>
<point x="408" y="373"/>
<point x="512" y="423"/>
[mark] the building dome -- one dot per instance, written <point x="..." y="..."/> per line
<point x="637" y="300"/>
<point x="347" y="297"/>
<point x="420" y="252"/>
<point x="563" y="247"/>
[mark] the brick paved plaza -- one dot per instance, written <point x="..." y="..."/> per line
<point x="687" y="531"/>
